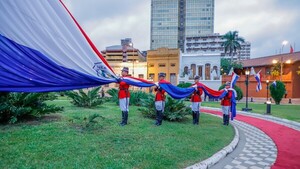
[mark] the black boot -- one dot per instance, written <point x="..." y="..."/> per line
<point x="194" y="117"/>
<point x="121" y="123"/>
<point x="227" y="120"/>
<point x="197" y="117"/>
<point x="224" y="119"/>
<point x="157" y="118"/>
<point x="125" y="117"/>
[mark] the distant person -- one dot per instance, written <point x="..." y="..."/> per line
<point x="159" y="100"/>
<point x="285" y="94"/>
<point x="124" y="97"/>
<point x="226" y="104"/>
<point x="196" y="101"/>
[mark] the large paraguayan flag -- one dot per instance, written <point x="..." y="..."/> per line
<point x="43" y="48"/>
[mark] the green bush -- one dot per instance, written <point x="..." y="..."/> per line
<point x="184" y="85"/>
<point x="278" y="91"/>
<point x="175" y="110"/>
<point x="135" y="96"/>
<point x="87" y="99"/>
<point x="237" y="89"/>
<point x="15" y="106"/>
<point x="114" y="95"/>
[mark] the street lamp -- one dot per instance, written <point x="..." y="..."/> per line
<point x="285" y="42"/>
<point x="133" y="60"/>
<point x="247" y="72"/>
<point x="267" y="81"/>
<point x="281" y="65"/>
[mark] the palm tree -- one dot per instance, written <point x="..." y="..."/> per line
<point x="232" y="43"/>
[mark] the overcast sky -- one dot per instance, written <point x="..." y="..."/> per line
<point x="265" y="23"/>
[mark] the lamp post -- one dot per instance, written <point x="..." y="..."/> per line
<point x="247" y="72"/>
<point x="133" y="60"/>
<point x="285" y="42"/>
<point x="267" y="81"/>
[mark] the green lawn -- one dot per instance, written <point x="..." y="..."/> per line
<point x="290" y="112"/>
<point x="63" y="141"/>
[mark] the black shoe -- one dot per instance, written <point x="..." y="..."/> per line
<point x="125" y="117"/>
<point x="227" y="120"/>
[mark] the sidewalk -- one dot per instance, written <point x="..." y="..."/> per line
<point x="294" y="101"/>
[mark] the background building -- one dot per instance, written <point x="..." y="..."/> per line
<point x="207" y="66"/>
<point x="136" y="61"/>
<point x="163" y="60"/>
<point x="174" y="20"/>
<point x="290" y="64"/>
<point x="212" y="43"/>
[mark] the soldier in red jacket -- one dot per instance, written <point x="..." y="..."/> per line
<point x="196" y="101"/>
<point x="124" y="96"/>
<point x="226" y="104"/>
<point x="159" y="100"/>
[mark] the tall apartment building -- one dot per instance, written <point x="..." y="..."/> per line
<point x="174" y="20"/>
<point x="212" y="44"/>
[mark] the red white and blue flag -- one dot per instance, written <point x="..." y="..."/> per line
<point x="234" y="78"/>
<point x="258" y="78"/>
<point x="43" y="48"/>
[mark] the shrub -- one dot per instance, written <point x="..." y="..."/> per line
<point x="237" y="89"/>
<point x="114" y="95"/>
<point x="15" y="106"/>
<point x="175" y="110"/>
<point x="87" y="99"/>
<point x="184" y="85"/>
<point x="135" y="96"/>
<point x="278" y="91"/>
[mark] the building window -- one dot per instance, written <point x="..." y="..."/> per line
<point x="173" y="78"/>
<point x="215" y="73"/>
<point x="151" y="65"/>
<point x="161" y="65"/>
<point x="207" y="71"/>
<point x="173" y="64"/>
<point x="193" y="68"/>
<point x="200" y="72"/>
<point x="151" y="76"/>
<point x="141" y="76"/>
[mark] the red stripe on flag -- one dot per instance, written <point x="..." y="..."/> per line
<point x="87" y="38"/>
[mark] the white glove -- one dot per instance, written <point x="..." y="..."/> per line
<point x="195" y="86"/>
<point x="226" y="89"/>
<point x="156" y="84"/>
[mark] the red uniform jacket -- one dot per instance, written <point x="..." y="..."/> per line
<point x="226" y="101"/>
<point x="160" y="93"/>
<point x="123" y="90"/>
<point x="196" y="97"/>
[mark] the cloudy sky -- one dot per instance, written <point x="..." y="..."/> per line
<point x="265" y="23"/>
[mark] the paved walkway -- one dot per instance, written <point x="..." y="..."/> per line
<point x="255" y="150"/>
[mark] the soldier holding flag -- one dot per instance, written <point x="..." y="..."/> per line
<point x="159" y="100"/>
<point x="196" y="101"/>
<point x="124" y="96"/>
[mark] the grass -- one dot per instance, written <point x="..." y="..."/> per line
<point x="290" y="112"/>
<point x="69" y="143"/>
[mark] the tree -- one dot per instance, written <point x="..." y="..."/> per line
<point x="226" y="65"/>
<point x="277" y="91"/>
<point x="232" y="43"/>
<point x="298" y="71"/>
<point x="275" y="71"/>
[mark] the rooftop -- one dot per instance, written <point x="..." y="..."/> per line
<point x="267" y="60"/>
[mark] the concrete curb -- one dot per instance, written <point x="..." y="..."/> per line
<point x="219" y="155"/>
<point x="285" y="122"/>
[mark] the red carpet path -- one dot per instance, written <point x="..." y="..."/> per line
<point x="286" y="139"/>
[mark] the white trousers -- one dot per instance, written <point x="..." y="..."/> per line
<point x="124" y="104"/>
<point x="160" y="105"/>
<point x="226" y="110"/>
<point x="196" y="106"/>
